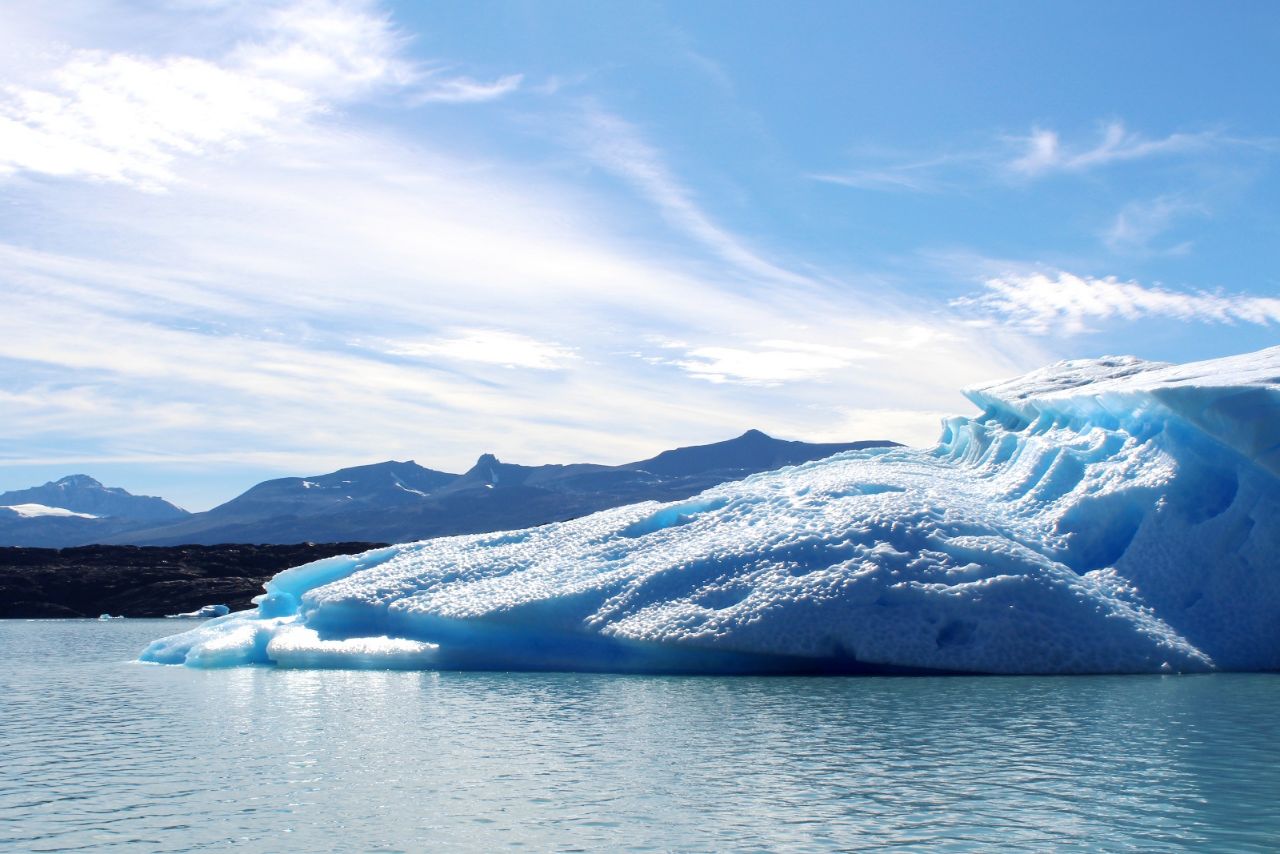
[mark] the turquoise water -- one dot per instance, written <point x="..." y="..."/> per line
<point x="97" y="752"/>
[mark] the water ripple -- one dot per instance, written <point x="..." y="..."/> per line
<point x="101" y="754"/>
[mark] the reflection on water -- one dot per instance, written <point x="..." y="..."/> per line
<point x="97" y="752"/>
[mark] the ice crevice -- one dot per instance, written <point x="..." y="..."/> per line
<point x="1098" y="516"/>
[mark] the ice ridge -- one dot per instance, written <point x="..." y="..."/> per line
<point x="1099" y="516"/>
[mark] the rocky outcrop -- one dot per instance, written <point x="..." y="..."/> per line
<point x="144" y="581"/>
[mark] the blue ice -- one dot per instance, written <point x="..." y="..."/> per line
<point x="203" y="613"/>
<point x="1097" y="516"/>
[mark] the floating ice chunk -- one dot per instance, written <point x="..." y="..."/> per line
<point x="221" y="642"/>
<point x="1109" y="515"/>
<point x="204" y="613"/>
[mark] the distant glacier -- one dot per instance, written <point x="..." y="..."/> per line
<point x="1099" y="516"/>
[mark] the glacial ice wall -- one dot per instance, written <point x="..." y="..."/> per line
<point x="1098" y="516"/>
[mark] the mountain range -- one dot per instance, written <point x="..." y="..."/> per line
<point x="390" y="501"/>
<point x="78" y="509"/>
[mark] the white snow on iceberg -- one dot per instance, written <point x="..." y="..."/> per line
<point x="1109" y="515"/>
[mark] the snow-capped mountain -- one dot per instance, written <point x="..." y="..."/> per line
<point x="401" y="501"/>
<point x="77" y="509"/>
<point x="82" y="494"/>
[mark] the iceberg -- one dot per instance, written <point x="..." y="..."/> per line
<point x="1111" y="515"/>
<point x="203" y="613"/>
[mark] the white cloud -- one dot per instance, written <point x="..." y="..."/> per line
<point x="920" y="175"/>
<point x="616" y="145"/>
<point x="769" y="363"/>
<point x="1139" y="223"/>
<point x="898" y="178"/>
<point x="492" y="347"/>
<point x="464" y="90"/>
<point x="1036" y="154"/>
<point x="336" y="49"/>
<point x="1066" y="304"/>
<point x="232" y="332"/>
<point x="127" y="117"/>
<point x="1043" y="151"/>
<point x="115" y="117"/>
<point x="215" y="322"/>
<point x="916" y="427"/>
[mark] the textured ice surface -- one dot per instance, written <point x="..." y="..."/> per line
<point x="1109" y="515"/>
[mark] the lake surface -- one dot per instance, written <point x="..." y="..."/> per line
<point x="98" y="752"/>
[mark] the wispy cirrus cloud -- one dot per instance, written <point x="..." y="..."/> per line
<point x="768" y="363"/>
<point x="333" y="49"/>
<point x="922" y="175"/>
<point x="1139" y="223"/>
<point x="616" y="145"/>
<point x="124" y="119"/>
<point x="491" y="347"/>
<point x="127" y="117"/>
<point x="1043" y="152"/>
<point x="339" y="288"/>
<point x="1067" y="304"/>
<point x="466" y="90"/>
<point x="906" y="177"/>
<point x="1019" y="158"/>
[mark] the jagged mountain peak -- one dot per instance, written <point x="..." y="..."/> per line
<point x="386" y="466"/>
<point x="399" y="500"/>
<point x="80" y="481"/>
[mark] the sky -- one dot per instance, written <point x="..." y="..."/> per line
<point x="242" y="240"/>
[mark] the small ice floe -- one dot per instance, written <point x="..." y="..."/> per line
<point x="205" y="613"/>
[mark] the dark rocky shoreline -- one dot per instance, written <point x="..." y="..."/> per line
<point x="145" y="581"/>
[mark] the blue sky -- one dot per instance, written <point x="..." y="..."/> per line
<point x="244" y="240"/>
